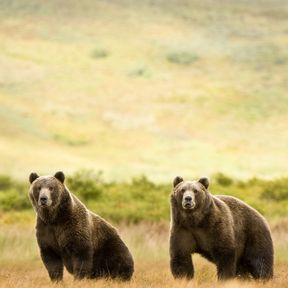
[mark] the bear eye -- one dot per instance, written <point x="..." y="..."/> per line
<point x="50" y="188"/>
<point x="182" y="190"/>
<point x="195" y="191"/>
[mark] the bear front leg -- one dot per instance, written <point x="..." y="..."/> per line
<point x="182" y="266"/>
<point x="226" y="263"/>
<point x="180" y="256"/>
<point x="53" y="264"/>
<point x="82" y="264"/>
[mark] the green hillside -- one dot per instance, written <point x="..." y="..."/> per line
<point x="144" y="87"/>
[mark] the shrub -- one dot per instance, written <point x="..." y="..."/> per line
<point x="5" y="182"/>
<point x="276" y="190"/>
<point x="99" y="53"/>
<point x="142" y="183"/>
<point x="139" y="71"/>
<point x="70" y="140"/>
<point x="223" y="180"/>
<point x="182" y="57"/>
<point x="86" y="184"/>
<point x="14" y="200"/>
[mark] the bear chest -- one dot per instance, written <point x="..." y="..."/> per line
<point x="203" y="241"/>
<point x="54" y="237"/>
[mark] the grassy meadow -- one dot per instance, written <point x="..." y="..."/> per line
<point x="142" y="91"/>
<point x="21" y="266"/>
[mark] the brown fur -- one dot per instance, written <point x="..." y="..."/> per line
<point x="69" y="235"/>
<point x="223" y="229"/>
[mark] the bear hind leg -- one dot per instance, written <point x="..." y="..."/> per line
<point x="114" y="261"/>
<point x="259" y="261"/>
<point x="260" y="268"/>
<point x="111" y="267"/>
<point x="242" y="270"/>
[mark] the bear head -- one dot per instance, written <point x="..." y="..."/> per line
<point x="190" y="196"/>
<point x="46" y="191"/>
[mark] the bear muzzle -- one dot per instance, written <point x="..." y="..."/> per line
<point x="44" y="198"/>
<point x="188" y="201"/>
<point x="189" y="205"/>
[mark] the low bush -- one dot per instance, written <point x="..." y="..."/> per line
<point x="86" y="184"/>
<point x="5" y="182"/>
<point x="276" y="190"/>
<point x="14" y="200"/>
<point x="99" y="53"/>
<point x="182" y="57"/>
<point x="223" y="180"/>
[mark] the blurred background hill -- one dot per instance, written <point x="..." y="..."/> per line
<point x="144" y="87"/>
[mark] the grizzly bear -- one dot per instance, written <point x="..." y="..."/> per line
<point x="222" y="229"/>
<point x="70" y="235"/>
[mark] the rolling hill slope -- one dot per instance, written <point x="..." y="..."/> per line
<point x="144" y="87"/>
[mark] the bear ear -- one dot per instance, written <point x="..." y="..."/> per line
<point x="60" y="176"/>
<point x="177" y="180"/>
<point x="204" y="181"/>
<point x="33" y="176"/>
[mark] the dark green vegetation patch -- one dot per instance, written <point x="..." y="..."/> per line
<point x="143" y="200"/>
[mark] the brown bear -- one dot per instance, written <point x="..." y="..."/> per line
<point x="70" y="235"/>
<point x="223" y="229"/>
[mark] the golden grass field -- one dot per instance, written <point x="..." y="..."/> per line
<point x="21" y="265"/>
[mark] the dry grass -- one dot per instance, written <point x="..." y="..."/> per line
<point x="147" y="275"/>
<point x="21" y="266"/>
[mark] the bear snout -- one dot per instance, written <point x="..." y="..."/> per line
<point x="188" y="198"/>
<point x="188" y="201"/>
<point x="188" y="205"/>
<point x="43" y="200"/>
